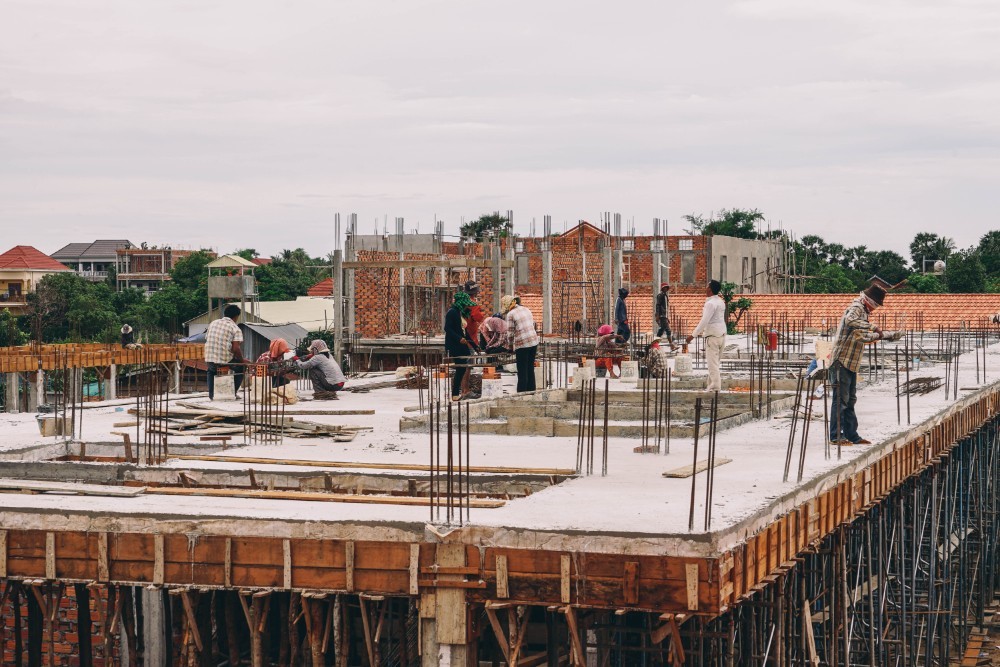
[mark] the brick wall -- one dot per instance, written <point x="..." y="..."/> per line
<point x="65" y="629"/>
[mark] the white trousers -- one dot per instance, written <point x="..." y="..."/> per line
<point x="713" y="354"/>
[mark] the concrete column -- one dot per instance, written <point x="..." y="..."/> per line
<point x="657" y="280"/>
<point x="13" y="383"/>
<point x="154" y="628"/>
<point x="338" y="304"/>
<point x="37" y="397"/>
<point x="547" y="291"/>
<point x="402" y="297"/>
<point x="498" y="286"/>
<point x="348" y="291"/>
<point x="112" y="382"/>
<point x="609" y="289"/>
<point x="508" y="272"/>
<point x="176" y="378"/>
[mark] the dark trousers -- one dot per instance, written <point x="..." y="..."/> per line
<point x="624" y="331"/>
<point x="213" y="370"/>
<point x="319" y="381"/>
<point x="459" y="363"/>
<point x="843" y="420"/>
<point x="664" y="328"/>
<point x="525" y="358"/>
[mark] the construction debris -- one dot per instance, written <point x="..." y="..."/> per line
<point x="191" y="421"/>
<point x="921" y="386"/>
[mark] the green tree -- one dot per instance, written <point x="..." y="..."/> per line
<point x="490" y="224"/>
<point x="290" y="275"/>
<point x="831" y="279"/>
<point x="929" y="246"/>
<point x="989" y="252"/>
<point x="734" y="306"/>
<point x="736" y="222"/>
<point x="965" y="272"/>
<point x="926" y="283"/>
<point x="886" y="264"/>
<point x="11" y="333"/>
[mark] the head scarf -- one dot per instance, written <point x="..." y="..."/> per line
<point x="623" y="292"/>
<point x="506" y="301"/>
<point x="318" y="346"/>
<point x="604" y="330"/>
<point x="463" y="302"/>
<point x="278" y="348"/>
<point x="126" y="329"/>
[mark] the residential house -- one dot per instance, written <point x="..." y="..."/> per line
<point x="21" y="269"/>
<point x="93" y="261"/>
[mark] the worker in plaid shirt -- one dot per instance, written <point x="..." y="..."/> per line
<point x="523" y="339"/>
<point x="853" y="332"/>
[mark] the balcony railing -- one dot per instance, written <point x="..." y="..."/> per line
<point x="95" y="276"/>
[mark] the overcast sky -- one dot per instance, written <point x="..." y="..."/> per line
<point x="233" y="124"/>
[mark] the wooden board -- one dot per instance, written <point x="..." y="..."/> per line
<point x="685" y="471"/>
<point x="309" y="463"/>
<point x="41" y="486"/>
<point x="481" y="503"/>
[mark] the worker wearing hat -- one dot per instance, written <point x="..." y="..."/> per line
<point x="853" y="333"/>
<point x="662" y="313"/>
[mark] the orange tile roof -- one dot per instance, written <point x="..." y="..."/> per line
<point x="28" y="258"/>
<point x="322" y="288"/>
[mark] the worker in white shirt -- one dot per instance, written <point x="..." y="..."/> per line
<point x="713" y="327"/>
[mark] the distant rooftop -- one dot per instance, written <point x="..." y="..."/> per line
<point x="99" y="249"/>
<point x="28" y="258"/>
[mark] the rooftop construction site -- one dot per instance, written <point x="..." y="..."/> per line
<point x="155" y="512"/>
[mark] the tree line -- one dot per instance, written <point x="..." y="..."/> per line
<point x="67" y="308"/>
<point x="836" y="268"/>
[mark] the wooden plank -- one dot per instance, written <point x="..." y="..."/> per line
<point x="579" y="656"/>
<point x="414" y="569"/>
<point x="692" y="586"/>
<point x="286" y="549"/>
<point x="416" y="467"/>
<point x="630" y="582"/>
<point x="50" y="555"/>
<point x="158" y="560"/>
<point x="102" y="558"/>
<point x="686" y="471"/>
<point x="564" y="578"/>
<point x="228" y="576"/>
<point x="313" y="496"/>
<point x="503" y="591"/>
<point x="349" y="561"/>
<point x="41" y="486"/>
<point x="498" y="633"/>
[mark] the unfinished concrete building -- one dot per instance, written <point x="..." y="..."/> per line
<point x="626" y="522"/>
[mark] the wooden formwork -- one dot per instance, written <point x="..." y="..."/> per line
<point x="27" y="359"/>
<point x="759" y="560"/>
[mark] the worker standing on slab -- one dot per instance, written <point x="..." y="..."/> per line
<point x="662" y="313"/>
<point x="853" y="332"/>
<point x="621" y="315"/>
<point x="456" y="344"/>
<point x="523" y="339"/>
<point x="223" y="341"/>
<point x="713" y="327"/>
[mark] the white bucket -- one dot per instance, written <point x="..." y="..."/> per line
<point x="630" y="370"/>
